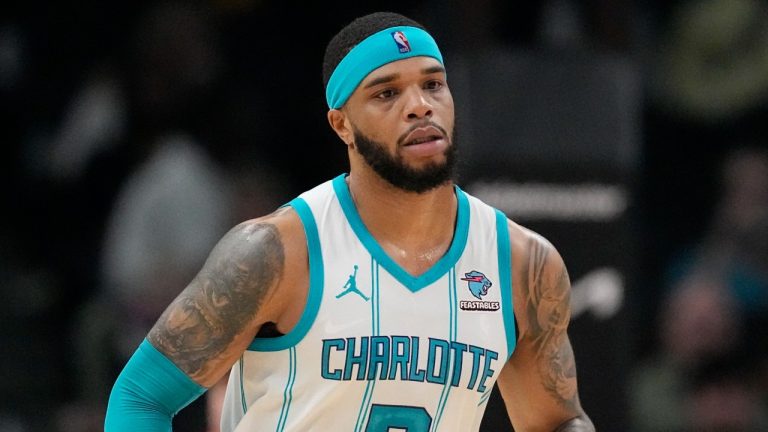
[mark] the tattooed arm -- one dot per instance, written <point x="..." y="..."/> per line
<point x="209" y="325"/>
<point x="538" y="383"/>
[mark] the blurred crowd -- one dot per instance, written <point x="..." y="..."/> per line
<point x="709" y="370"/>
<point x="137" y="133"/>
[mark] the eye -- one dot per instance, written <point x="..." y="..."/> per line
<point x="433" y="85"/>
<point x="386" y="94"/>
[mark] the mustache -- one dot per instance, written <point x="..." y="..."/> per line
<point x="401" y="139"/>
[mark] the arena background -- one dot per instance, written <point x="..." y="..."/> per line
<point x="631" y="134"/>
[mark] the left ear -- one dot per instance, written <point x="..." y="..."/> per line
<point x="340" y="124"/>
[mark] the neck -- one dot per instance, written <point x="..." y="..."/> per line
<point x="415" y="229"/>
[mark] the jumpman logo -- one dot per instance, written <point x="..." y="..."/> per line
<point x="351" y="286"/>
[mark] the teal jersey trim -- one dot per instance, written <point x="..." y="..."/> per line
<point x="150" y="390"/>
<point x="365" y="406"/>
<point x="485" y="397"/>
<point x="242" y="387"/>
<point x="505" y="274"/>
<point x="452" y="330"/>
<point x="316" y="275"/>
<point x="413" y="283"/>
<point x="288" y="392"/>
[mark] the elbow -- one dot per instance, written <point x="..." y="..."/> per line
<point x="581" y="423"/>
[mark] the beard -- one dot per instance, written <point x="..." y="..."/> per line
<point x="394" y="170"/>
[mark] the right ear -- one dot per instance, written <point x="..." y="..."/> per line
<point x="340" y="124"/>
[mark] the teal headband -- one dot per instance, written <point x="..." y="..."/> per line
<point x="378" y="49"/>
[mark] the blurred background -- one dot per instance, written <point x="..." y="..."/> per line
<point x="633" y="135"/>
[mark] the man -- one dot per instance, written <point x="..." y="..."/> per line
<point x="450" y="297"/>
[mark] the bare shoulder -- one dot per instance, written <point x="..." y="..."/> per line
<point x="541" y="281"/>
<point x="214" y="318"/>
<point x="534" y="255"/>
<point x="286" y="226"/>
<point x="542" y="305"/>
<point x="529" y="244"/>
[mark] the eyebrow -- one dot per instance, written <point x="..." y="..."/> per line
<point x="391" y="77"/>
<point x="382" y="80"/>
<point x="433" y="69"/>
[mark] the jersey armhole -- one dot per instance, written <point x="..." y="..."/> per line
<point x="315" y="293"/>
<point x="505" y="276"/>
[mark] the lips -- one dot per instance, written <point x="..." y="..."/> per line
<point x="421" y="135"/>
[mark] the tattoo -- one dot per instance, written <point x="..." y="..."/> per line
<point x="547" y="305"/>
<point x="222" y="299"/>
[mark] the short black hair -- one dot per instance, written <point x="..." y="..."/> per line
<point x="354" y="32"/>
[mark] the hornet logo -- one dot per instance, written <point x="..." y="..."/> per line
<point x="478" y="283"/>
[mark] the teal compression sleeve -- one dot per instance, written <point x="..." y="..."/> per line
<point x="148" y="393"/>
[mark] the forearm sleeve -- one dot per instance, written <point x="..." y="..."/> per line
<point x="148" y="393"/>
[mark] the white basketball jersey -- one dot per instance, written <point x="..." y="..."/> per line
<point x="376" y="348"/>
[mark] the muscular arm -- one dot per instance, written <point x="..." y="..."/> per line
<point x="538" y="383"/>
<point x="208" y="326"/>
<point x="212" y="321"/>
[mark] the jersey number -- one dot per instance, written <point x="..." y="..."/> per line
<point x="409" y="418"/>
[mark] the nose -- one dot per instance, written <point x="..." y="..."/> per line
<point x="417" y="105"/>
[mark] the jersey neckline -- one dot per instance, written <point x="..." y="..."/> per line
<point x="438" y="269"/>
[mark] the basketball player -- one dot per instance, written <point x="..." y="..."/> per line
<point x="385" y="298"/>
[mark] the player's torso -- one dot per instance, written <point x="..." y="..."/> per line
<point x="377" y="348"/>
